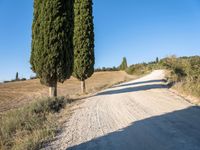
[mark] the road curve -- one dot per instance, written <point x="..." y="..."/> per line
<point x="138" y="115"/>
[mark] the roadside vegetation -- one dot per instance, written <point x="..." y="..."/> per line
<point x="31" y="126"/>
<point x="183" y="72"/>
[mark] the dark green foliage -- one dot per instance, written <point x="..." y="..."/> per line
<point x="51" y="105"/>
<point x="33" y="77"/>
<point x="123" y="65"/>
<point x="179" y="72"/>
<point x="157" y="60"/>
<point x="23" y="79"/>
<point x="52" y="52"/>
<point x="17" y="76"/>
<point x="83" y="39"/>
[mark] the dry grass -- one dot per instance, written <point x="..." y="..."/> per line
<point x="188" y="90"/>
<point x="17" y="94"/>
<point x="33" y="122"/>
<point x="27" y="128"/>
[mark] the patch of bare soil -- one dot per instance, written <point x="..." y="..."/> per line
<point x="17" y="94"/>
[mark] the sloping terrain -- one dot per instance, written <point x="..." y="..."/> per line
<point x="17" y="94"/>
<point x="138" y="115"/>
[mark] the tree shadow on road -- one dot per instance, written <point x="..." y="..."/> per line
<point x="126" y="88"/>
<point x="142" y="82"/>
<point x="178" y="130"/>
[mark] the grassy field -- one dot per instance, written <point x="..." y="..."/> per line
<point x="18" y="94"/>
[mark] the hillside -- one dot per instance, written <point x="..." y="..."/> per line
<point x="128" y="115"/>
<point x="17" y="94"/>
<point x="183" y="74"/>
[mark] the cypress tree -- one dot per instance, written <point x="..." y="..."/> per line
<point x="83" y="41"/>
<point x="123" y="65"/>
<point x="157" y="60"/>
<point x="17" y="76"/>
<point x="52" y="47"/>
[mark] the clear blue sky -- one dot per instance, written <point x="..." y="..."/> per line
<point x="137" y="29"/>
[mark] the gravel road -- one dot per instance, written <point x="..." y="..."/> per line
<point x="138" y="115"/>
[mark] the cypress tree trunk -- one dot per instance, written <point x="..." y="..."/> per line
<point x="53" y="90"/>
<point x="83" y="88"/>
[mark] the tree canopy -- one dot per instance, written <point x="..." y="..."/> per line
<point x="123" y="65"/>
<point x="83" y="39"/>
<point x="52" y="49"/>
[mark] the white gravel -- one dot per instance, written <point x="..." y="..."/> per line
<point x="138" y="115"/>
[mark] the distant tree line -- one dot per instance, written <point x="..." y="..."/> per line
<point x="16" y="79"/>
<point x="107" y="69"/>
<point x="143" y="68"/>
<point x="123" y="66"/>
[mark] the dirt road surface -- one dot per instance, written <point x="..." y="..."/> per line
<point x="138" y="115"/>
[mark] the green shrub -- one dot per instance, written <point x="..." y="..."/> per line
<point x="185" y="73"/>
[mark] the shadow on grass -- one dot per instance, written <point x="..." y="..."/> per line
<point x="178" y="130"/>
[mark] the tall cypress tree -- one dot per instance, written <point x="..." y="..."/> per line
<point x="157" y="60"/>
<point x="52" y="46"/>
<point x="83" y="41"/>
<point x="17" y="76"/>
<point x="123" y="65"/>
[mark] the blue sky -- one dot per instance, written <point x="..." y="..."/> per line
<point x="140" y="30"/>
